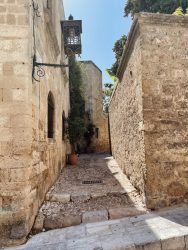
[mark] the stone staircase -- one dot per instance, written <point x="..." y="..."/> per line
<point x="164" y="230"/>
<point x="65" y="210"/>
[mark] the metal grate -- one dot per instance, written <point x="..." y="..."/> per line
<point x="92" y="182"/>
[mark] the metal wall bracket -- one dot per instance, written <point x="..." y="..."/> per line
<point x="37" y="67"/>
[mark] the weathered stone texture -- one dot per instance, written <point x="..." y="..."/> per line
<point x="126" y="120"/>
<point x="92" y="92"/>
<point x="148" y="111"/>
<point x="29" y="161"/>
<point x="165" y="108"/>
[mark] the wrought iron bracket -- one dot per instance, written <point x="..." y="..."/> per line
<point x="37" y="68"/>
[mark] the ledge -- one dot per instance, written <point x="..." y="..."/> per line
<point x="139" y="19"/>
<point x="91" y="62"/>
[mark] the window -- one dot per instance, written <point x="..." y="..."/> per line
<point x="97" y="132"/>
<point x="50" y="115"/>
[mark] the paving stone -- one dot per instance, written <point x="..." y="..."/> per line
<point x="117" y="242"/>
<point x="102" y="223"/>
<point x="143" y="236"/>
<point x="53" y="222"/>
<point x="117" y="228"/>
<point x="97" y="195"/>
<point x="73" y="220"/>
<point x="80" y="197"/>
<point x="157" y="223"/>
<point x="94" y="216"/>
<point x="63" y="198"/>
<point x="39" y="223"/>
<point x="76" y="232"/>
<point x="49" y="237"/>
<point x="152" y="246"/>
<point x="93" y="241"/>
<point x="116" y="213"/>
<point x="99" y="230"/>
<point x="126" y="222"/>
<point x="166" y="233"/>
<point x="176" y="243"/>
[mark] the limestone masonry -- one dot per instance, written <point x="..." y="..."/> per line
<point x="32" y="147"/>
<point x="92" y="92"/>
<point x="149" y="109"/>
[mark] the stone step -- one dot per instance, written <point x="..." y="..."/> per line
<point x="57" y="221"/>
<point x="65" y="197"/>
<point x="166" y="230"/>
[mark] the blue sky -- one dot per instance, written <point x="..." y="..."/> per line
<point x="103" y="24"/>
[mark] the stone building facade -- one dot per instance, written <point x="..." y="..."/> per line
<point x="149" y="109"/>
<point x="32" y="144"/>
<point x="92" y="92"/>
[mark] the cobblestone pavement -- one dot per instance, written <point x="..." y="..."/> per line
<point x="94" y="190"/>
<point x="93" y="168"/>
<point x="114" y="190"/>
<point x="166" y="230"/>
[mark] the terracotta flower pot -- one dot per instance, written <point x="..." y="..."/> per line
<point x="73" y="159"/>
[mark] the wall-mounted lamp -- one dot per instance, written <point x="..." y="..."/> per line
<point x="71" y="30"/>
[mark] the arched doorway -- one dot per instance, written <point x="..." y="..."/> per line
<point x="51" y="114"/>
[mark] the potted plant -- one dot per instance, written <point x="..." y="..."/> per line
<point x="75" y="132"/>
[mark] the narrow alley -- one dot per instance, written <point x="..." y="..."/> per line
<point x="99" y="197"/>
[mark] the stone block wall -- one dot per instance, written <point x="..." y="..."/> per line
<point x="162" y="105"/>
<point x="29" y="161"/>
<point x="92" y="92"/>
<point x="126" y="118"/>
<point x="165" y="108"/>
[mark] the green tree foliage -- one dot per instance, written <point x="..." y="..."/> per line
<point x="118" y="50"/>
<point x="76" y="116"/>
<point x="107" y="92"/>
<point x="161" y="6"/>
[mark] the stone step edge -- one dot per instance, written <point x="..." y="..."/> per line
<point x="43" y="223"/>
<point x="66" y="197"/>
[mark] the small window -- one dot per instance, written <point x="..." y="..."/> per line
<point x="97" y="132"/>
<point x="50" y="116"/>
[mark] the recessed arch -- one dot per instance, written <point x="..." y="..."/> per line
<point x="51" y="115"/>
